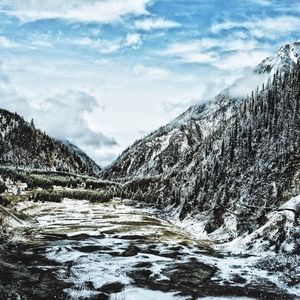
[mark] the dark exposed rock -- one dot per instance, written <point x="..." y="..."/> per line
<point x="131" y="251"/>
<point x="112" y="288"/>
<point x="92" y="248"/>
<point x="140" y="276"/>
<point x="143" y="265"/>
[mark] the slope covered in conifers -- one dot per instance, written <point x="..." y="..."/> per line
<point x="22" y="145"/>
<point x="160" y="152"/>
<point x="244" y="166"/>
<point x="88" y="161"/>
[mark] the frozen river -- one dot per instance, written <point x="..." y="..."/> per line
<point x="117" y="250"/>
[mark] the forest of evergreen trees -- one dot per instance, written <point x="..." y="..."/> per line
<point x="246" y="167"/>
<point x="22" y="145"/>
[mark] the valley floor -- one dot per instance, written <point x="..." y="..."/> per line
<point x="119" y="250"/>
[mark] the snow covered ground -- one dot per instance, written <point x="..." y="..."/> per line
<point x="122" y="251"/>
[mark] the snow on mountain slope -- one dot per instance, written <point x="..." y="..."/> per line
<point x="286" y="57"/>
<point x="160" y="152"/>
<point x="281" y="233"/>
<point x="226" y="163"/>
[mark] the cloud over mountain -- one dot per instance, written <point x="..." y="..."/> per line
<point x="75" y="10"/>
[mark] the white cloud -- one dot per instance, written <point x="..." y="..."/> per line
<point x="133" y="40"/>
<point x="63" y="116"/>
<point x="150" y="72"/>
<point x="103" y="61"/>
<point x="247" y="83"/>
<point x="262" y="28"/>
<point x="223" y="53"/>
<point x="33" y="41"/>
<point x="175" y="109"/>
<point x="151" y="24"/>
<point x="85" y="41"/>
<point x="102" y="11"/>
<point x="191" y="52"/>
<point x="103" y="46"/>
<point x="241" y="59"/>
<point x="40" y="43"/>
<point x="262" y="2"/>
<point x="10" y="98"/>
<point x="104" y="155"/>
<point x="3" y="77"/>
<point x="6" y="43"/>
<point x="69" y="110"/>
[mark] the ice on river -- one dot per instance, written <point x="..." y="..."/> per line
<point x="119" y="251"/>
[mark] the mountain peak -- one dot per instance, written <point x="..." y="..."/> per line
<point x="286" y="57"/>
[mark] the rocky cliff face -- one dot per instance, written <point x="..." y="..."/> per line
<point x="227" y="163"/>
<point x="22" y="145"/>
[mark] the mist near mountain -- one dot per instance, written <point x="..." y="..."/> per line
<point x="227" y="163"/>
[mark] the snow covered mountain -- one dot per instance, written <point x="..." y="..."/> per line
<point x="162" y="151"/>
<point x="286" y="58"/>
<point x="153" y="154"/>
<point x="228" y="163"/>
<point x="22" y="145"/>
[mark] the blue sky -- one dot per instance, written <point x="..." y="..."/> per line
<point x="103" y="73"/>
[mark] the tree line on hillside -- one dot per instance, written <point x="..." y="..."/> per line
<point x="243" y="169"/>
<point x="22" y="145"/>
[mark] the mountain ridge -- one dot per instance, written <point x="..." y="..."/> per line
<point x="22" y="145"/>
<point x="284" y="60"/>
<point x="84" y="157"/>
<point x="226" y="163"/>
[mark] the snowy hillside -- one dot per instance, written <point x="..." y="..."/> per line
<point x="22" y="145"/>
<point x="287" y="57"/>
<point x="281" y="233"/>
<point x="225" y="164"/>
<point x="162" y="151"/>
